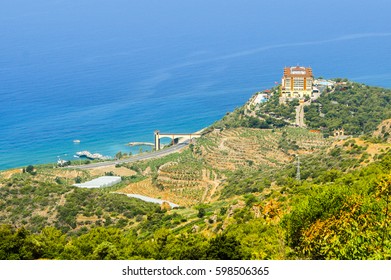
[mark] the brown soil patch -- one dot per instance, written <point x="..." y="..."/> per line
<point x="8" y="173"/>
<point x="82" y="218"/>
<point x="68" y="174"/>
<point x="120" y="171"/>
<point x="147" y="188"/>
<point x="373" y="149"/>
<point x="49" y="175"/>
<point x="383" y="131"/>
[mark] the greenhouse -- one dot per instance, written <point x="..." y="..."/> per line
<point x="101" y="182"/>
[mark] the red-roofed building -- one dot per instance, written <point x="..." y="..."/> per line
<point x="297" y="82"/>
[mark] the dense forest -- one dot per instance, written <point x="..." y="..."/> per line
<point x="241" y="195"/>
<point x="356" y="108"/>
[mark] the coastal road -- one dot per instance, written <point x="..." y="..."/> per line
<point x="151" y="155"/>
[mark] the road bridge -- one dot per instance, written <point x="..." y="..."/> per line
<point x="174" y="137"/>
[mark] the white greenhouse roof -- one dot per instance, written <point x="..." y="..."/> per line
<point x="153" y="200"/>
<point x="101" y="182"/>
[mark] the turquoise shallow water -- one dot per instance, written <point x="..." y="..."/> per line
<point x="111" y="73"/>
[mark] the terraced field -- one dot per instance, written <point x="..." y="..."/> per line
<point x="191" y="180"/>
<point x="182" y="179"/>
<point x="196" y="175"/>
<point x="236" y="148"/>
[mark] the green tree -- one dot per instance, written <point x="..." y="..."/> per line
<point x="201" y="212"/>
<point x="187" y="247"/>
<point x="86" y="246"/>
<point x="31" y="169"/>
<point x="224" y="247"/>
<point x="52" y="242"/>
<point x="18" y="244"/>
<point x="105" y="251"/>
<point x="383" y="191"/>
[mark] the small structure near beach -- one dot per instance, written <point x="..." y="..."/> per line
<point x="89" y="155"/>
<point x="101" y="182"/>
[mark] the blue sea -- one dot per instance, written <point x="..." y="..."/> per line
<point x="112" y="72"/>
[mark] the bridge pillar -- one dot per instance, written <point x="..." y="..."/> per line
<point x="157" y="140"/>
<point x="174" y="138"/>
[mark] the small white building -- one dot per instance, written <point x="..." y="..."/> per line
<point x="101" y="182"/>
<point x="325" y="83"/>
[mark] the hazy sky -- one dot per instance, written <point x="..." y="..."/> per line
<point x="300" y="20"/>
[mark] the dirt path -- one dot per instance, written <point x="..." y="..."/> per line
<point x="300" y="114"/>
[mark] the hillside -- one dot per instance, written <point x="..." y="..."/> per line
<point x="239" y="194"/>
<point x="34" y="203"/>
<point x="354" y="107"/>
<point x="197" y="175"/>
<point x="383" y="132"/>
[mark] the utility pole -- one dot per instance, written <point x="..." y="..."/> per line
<point x="298" y="169"/>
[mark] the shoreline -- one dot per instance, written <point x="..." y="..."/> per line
<point x="113" y="162"/>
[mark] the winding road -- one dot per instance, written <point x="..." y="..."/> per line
<point x="300" y="114"/>
<point x="151" y="155"/>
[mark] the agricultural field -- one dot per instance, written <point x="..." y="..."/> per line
<point x="251" y="148"/>
<point x="199" y="174"/>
